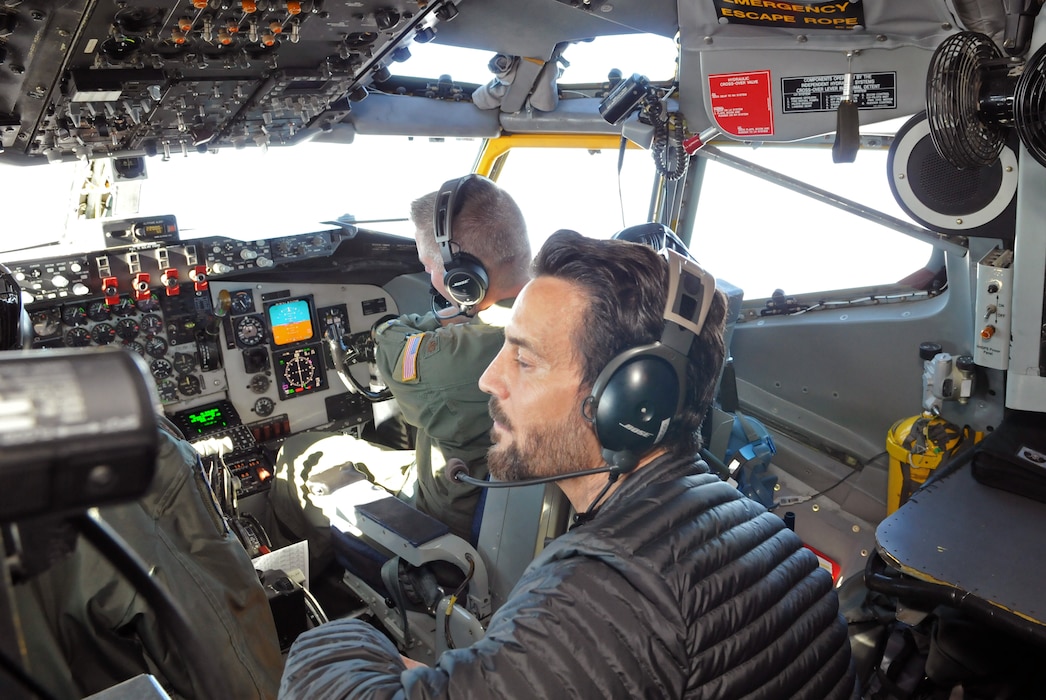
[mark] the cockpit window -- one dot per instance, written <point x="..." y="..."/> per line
<point x="45" y="205"/>
<point x="648" y="54"/>
<point x="258" y="192"/>
<point x="251" y="193"/>
<point x="284" y="190"/>
<point x="762" y="237"/>
<point x="579" y="189"/>
<point x="587" y="61"/>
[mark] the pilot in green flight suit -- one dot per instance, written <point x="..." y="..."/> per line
<point x="432" y="371"/>
<point x="431" y="363"/>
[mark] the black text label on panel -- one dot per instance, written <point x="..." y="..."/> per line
<point x="822" y="93"/>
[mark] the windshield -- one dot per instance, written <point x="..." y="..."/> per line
<point x="262" y="192"/>
<point x="280" y="191"/>
<point x="763" y="237"/>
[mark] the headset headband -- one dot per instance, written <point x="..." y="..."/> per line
<point x="446" y="207"/>
<point x="691" y="289"/>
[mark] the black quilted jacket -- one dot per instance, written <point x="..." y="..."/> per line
<point x="678" y="588"/>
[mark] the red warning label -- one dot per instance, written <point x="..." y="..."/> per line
<point x="741" y="103"/>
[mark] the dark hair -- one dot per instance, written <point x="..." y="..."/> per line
<point x="626" y="285"/>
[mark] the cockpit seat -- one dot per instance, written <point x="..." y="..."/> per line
<point x="393" y="553"/>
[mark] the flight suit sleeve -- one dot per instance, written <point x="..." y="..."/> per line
<point x="108" y="632"/>
<point x="433" y="371"/>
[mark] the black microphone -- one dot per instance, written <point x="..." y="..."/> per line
<point x="457" y="471"/>
<point x="440" y="303"/>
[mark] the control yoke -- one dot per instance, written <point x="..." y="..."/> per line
<point x="349" y="350"/>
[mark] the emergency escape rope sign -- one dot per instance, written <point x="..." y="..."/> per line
<point x="795" y="15"/>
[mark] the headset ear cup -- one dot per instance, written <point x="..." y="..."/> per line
<point x="466" y="280"/>
<point x="635" y="400"/>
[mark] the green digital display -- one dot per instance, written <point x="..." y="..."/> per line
<point x="207" y="420"/>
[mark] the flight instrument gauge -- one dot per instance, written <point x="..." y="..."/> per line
<point x="99" y="311"/>
<point x="78" y="338"/>
<point x="337" y="316"/>
<point x="241" y="302"/>
<point x="124" y="307"/>
<point x="250" y="331"/>
<point x="156" y="346"/>
<point x="168" y="391"/>
<point x="135" y="346"/>
<point x="151" y="324"/>
<point x="264" y="406"/>
<point x="74" y="315"/>
<point x="127" y="328"/>
<point x="299" y="371"/>
<point x="259" y="384"/>
<point x="161" y="368"/>
<point x="184" y="363"/>
<point x="45" y="323"/>
<point x="103" y="334"/>
<point x="189" y="384"/>
<point x="150" y="303"/>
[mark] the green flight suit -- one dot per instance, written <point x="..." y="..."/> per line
<point x="433" y="371"/>
<point x="87" y="628"/>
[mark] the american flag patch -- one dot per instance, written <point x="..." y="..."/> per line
<point x="410" y="357"/>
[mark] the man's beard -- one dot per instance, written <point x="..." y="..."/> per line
<point x="558" y="448"/>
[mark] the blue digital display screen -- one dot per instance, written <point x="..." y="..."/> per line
<point x="291" y="321"/>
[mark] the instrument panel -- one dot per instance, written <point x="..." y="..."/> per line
<point x="232" y="331"/>
<point x="175" y="334"/>
<point x="161" y="77"/>
<point x="277" y="363"/>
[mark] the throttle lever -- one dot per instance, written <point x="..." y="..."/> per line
<point x="847" y="121"/>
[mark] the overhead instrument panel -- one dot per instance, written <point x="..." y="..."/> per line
<point x="171" y="77"/>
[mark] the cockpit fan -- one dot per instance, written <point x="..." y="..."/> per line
<point x="1029" y="106"/>
<point x="975" y="95"/>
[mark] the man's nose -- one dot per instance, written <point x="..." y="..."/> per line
<point x="489" y="381"/>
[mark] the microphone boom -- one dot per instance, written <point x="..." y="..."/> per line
<point x="457" y="471"/>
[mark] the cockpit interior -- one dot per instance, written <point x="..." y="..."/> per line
<point x="245" y="341"/>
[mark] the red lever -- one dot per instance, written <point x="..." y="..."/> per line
<point x="141" y="286"/>
<point x="198" y="275"/>
<point x="169" y="280"/>
<point x="111" y="290"/>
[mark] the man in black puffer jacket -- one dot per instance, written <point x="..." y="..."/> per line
<point x="671" y="584"/>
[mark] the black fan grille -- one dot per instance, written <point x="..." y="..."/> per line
<point x="956" y="82"/>
<point x="1029" y="108"/>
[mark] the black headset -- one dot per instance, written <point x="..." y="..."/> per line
<point x="640" y="391"/>
<point x="464" y="277"/>
<point x="14" y="321"/>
